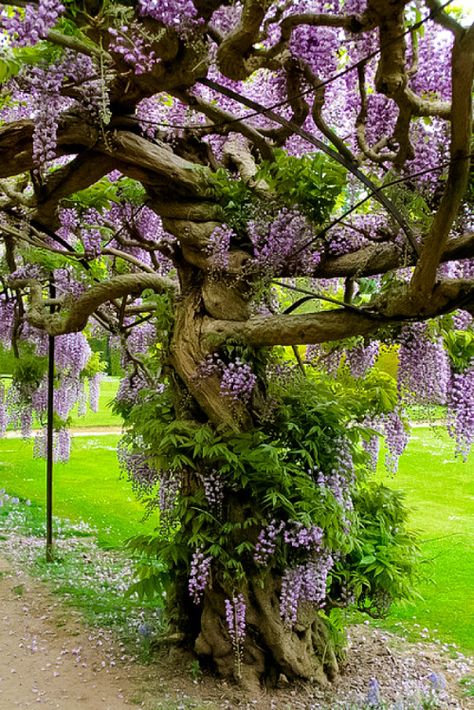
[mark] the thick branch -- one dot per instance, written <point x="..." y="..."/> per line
<point x="233" y="54"/>
<point x="301" y="329"/>
<point x="458" y="175"/>
<point x="180" y="174"/>
<point x="16" y="141"/>
<point x="442" y="17"/>
<point x="220" y="116"/>
<point x="307" y="328"/>
<point x="378" y="259"/>
<point x="80" y="173"/>
<point x="78" y="312"/>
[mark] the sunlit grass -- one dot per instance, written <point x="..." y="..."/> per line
<point x="440" y="494"/>
<point x="87" y="488"/>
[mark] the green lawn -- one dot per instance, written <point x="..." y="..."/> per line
<point x="87" y="488"/>
<point x="440" y="493"/>
<point x="105" y="416"/>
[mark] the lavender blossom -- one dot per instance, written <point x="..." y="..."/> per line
<point x="200" y="570"/>
<point x="373" y="694"/>
<point x="238" y="381"/>
<point x="235" y="617"/>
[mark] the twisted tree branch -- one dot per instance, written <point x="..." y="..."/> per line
<point x="76" y="312"/>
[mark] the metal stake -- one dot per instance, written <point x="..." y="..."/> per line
<point x="49" y="439"/>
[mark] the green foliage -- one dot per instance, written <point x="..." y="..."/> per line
<point x="13" y="58"/>
<point x="49" y="261"/>
<point x="312" y="183"/>
<point x="102" y="193"/>
<point x="460" y="347"/>
<point x="163" y="314"/>
<point x="95" y="364"/>
<point x="410" y="202"/>
<point x="29" y="369"/>
<point x="236" y="199"/>
<point x="383" y="564"/>
<point x="271" y="473"/>
<point x="7" y="361"/>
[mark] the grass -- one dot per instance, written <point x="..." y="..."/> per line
<point x="87" y="488"/>
<point x="440" y="494"/>
<point x="85" y="576"/>
<point x="104" y="417"/>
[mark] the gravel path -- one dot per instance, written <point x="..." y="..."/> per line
<point x="80" y="431"/>
<point x="50" y="659"/>
<point x="47" y="658"/>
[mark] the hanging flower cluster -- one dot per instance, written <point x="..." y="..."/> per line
<point x="280" y="244"/>
<point x="213" y="484"/>
<point x="361" y="358"/>
<point x="130" y="43"/>
<point x="27" y="399"/>
<point x="237" y="379"/>
<point x="198" y="578"/>
<point x="461" y="410"/>
<point x="28" y="27"/>
<point x="396" y="438"/>
<point x="235" y="612"/>
<point x="218" y="247"/>
<point x="424" y="370"/>
<point x="306" y="582"/>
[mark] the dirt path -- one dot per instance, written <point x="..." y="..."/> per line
<point x="79" y="431"/>
<point x="47" y="658"/>
<point x="50" y="659"/>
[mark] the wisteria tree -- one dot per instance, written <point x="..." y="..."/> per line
<point x="216" y="184"/>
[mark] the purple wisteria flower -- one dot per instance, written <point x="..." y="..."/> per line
<point x="461" y="410"/>
<point x="305" y="582"/>
<point x="235" y="611"/>
<point x="238" y="381"/>
<point x="218" y="247"/>
<point x="199" y="575"/>
<point x="396" y="438"/>
<point x="373" y="694"/>
<point x="213" y="484"/>
<point x="31" y="26"/>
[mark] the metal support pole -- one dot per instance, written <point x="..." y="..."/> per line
<point x="49" y="440"/>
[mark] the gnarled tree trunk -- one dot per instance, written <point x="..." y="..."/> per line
<point x="271" y="647"/>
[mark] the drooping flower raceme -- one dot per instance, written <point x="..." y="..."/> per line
<point x="238" y="381"/>
<point x="213" y="484"/>
<point x="305" y="582"/>
<point x="361" y="358"/>
<point x="218" y="247"/>
<point x="280" y="244"/>
<point x="461" y="410"/>
<point x="423" y="371"/>
<point x="396" y="438"/>
<point x="33" y="24"/>
<point x="199" y="575"/>
<point x="235" y="609"/>
<point x="179" y="14"/>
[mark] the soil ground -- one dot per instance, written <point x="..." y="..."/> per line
<point x="47" y="659"/>
<point x="50" y="659"/>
